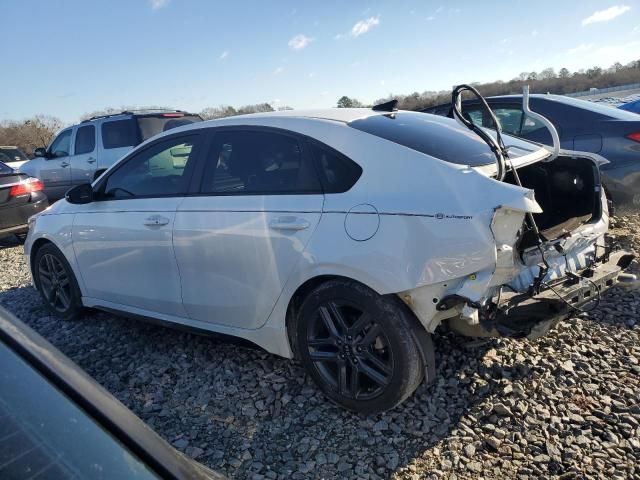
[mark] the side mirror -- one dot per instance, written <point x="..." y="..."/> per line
<point x="80" y="194"/>
<point x="40" y="152"/>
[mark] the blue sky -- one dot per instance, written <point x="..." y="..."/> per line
<point x="66" y="58"/>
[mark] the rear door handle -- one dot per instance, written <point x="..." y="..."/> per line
<point x="64" y="164"/>
<point x="91" y="160"/>
<point x="289" y="223"/>
<point x="156" y="221"/>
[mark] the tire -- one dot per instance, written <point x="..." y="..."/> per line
<point x="56" y="283"/>
<point x="358" y="347"/>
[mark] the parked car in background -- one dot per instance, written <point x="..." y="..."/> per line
<point x="81" y="152"/>
<point x="12" y="156"/>
<point x="631" y="106"/>
<point x="20" y="197"/>
<point x="341" y="237"/>
<point x="56" y="422"/>
<point x="582" y="126"/>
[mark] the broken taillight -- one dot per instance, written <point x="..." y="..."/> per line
<point x="634" y="136"/>
<point x="26" y="187"/>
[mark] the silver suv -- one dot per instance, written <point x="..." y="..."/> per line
<point x="80" y="153"/>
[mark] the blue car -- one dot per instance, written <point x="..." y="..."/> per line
<point x="582" y="125"/>
<point x="631" y="106"/>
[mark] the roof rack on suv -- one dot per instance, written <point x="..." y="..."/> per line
<point x="134" y="111"/>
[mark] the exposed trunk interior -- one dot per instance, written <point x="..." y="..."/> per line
<point x="565" y="188"/>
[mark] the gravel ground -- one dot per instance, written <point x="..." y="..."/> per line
<point x="564" y="406"/>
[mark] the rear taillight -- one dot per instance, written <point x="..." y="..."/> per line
<point x="26" y="187"/>
<point x="634" y="136"/>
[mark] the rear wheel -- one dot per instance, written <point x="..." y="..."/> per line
<point x="358" y="346"/>
<point x="56" y="282"/>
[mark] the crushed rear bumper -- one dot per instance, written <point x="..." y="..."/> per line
<point x="532" y="314"/>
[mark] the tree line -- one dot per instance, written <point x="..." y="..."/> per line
<point x="38" y="130"/>
<point x="545" y="81"/>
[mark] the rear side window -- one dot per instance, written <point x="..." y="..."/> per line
<point x="337" y="173"/>
<point x="256" y="162"/>
<point x="151" y="125"/>
<point x="119" y="133"/>
<point x="85" y="140"/>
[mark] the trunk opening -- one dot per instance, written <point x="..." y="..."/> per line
<point x="568" y="191"/>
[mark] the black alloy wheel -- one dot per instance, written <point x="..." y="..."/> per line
<point x="350" y="350"/>
<point x="56" y="282"/>
<point x="358" y="346"/>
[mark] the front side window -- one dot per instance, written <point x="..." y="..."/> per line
<point x="119" y="133"/>
<point x="85" y="140"/>
<point x="158" y="170"/>
<point x="61" y="145"/>
<point x="255" y="162"/>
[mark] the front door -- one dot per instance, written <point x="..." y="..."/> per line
<point x="83" y="160"/>
<point x="55" y="172"/>
<point x="123" y="241"/>
<point x="239" y="240"/>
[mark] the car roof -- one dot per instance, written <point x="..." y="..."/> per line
<point x="343" y="115"/>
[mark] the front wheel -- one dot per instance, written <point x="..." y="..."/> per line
<point x="56" y="282"/>
<point x="358" y="346"/>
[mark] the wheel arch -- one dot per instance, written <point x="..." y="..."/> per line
<point x="33" y="251"/>
<point x="421" y="337"/>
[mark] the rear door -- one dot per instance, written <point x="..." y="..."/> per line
<point x="55" y="171"/>
<point x="238" y="240"/>
<point x="116" y="138"/>
<point x="83" y="160"/>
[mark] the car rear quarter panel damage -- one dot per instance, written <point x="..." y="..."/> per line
<point x="434" y="232"/>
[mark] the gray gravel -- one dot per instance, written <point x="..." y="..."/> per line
<point x="564" y="406"/>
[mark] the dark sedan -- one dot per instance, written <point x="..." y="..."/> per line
<point x="20" y="197"/>
<point x="581" y="125"/>
<point x="58" y="423"/>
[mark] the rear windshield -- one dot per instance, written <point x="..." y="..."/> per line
<point x="13" y="154"/>
<point x="153" y="124"/>
<point x="437" y="136"/>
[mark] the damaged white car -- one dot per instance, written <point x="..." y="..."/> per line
<point x="340" y="237"/>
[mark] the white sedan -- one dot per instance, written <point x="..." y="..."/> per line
<point x="340" y="237"/>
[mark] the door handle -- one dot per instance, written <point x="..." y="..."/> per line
<point x="289" y="223"/>
<point x="91" y="160"/>
<point x="156" y="221"/>
<point x="64" y="164"/>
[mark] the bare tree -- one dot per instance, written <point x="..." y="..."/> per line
<point x="31" y="133"/>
